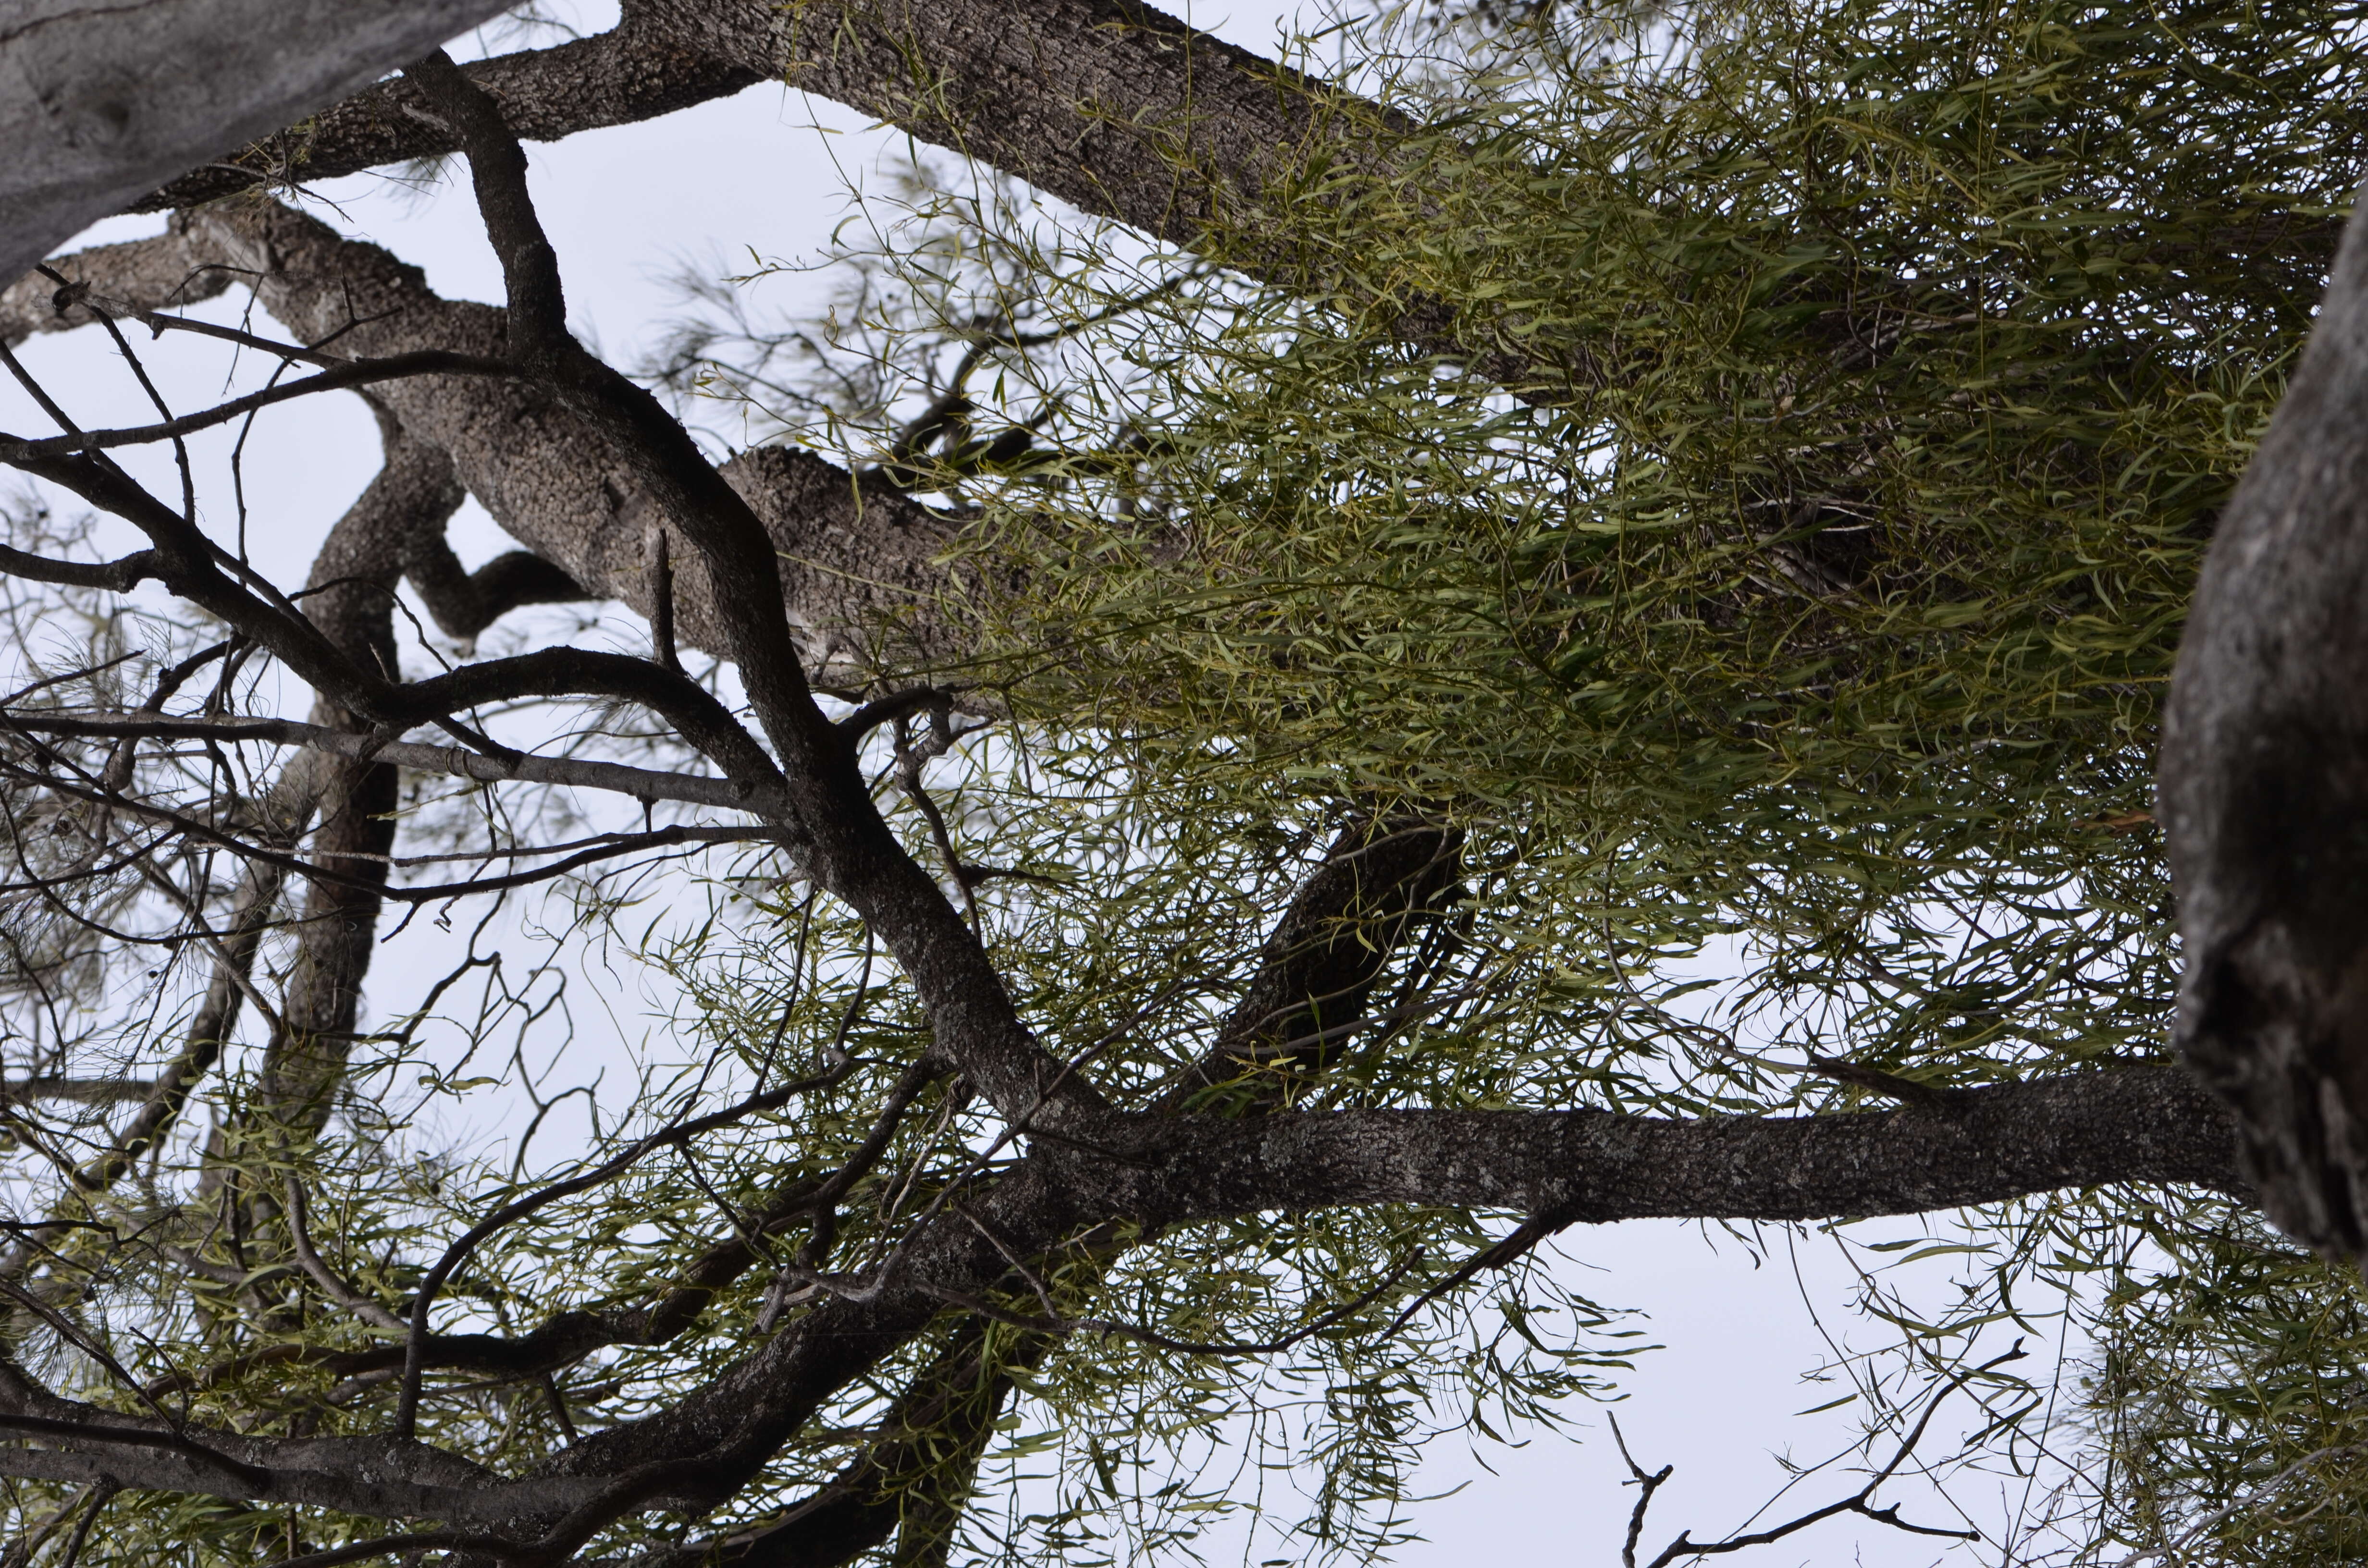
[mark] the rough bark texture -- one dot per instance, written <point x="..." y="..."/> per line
<point x="101" y="102"/>
<point x="1985" y="1145"/>
<point x="859" y="565"/>
<point x="632" y="73"/>
<point x="1118" y="108"/>
<point x="1324" y="958"/>
<point x="153" y="275"/>
<point x="1115" y="108"/>
<point x="352" y="601"/>
<point x="852" y="562"/>
<point x="2264" y="791"/>
<point x="465" y="603"/>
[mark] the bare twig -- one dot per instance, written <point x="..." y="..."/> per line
<point x="336" y="1288"/>
<point x="353" y="373"/>
<point x="1650" y="1483"/>
<point x="1860" y="1502"/>
<point x="639" y="783"/>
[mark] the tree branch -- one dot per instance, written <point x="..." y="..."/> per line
<point x="639" y="783"/>
<point x="465" y="603"/>
<point x="1992" y="1145"/>
<point x="2148" y="1124"/>
<point x="359" y="373"/>
<point x="632" y="73"/>
<point x="112" y="99"/>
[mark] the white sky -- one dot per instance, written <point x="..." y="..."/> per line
<point x="767" y="172"/>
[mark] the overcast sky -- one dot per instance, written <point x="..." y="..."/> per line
<point x="768" y="172"/>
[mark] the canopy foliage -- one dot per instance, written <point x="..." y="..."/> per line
<point x="1779" y="665"/>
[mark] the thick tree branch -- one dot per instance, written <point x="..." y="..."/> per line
<point x="634" y="71"/>
<point x="1988" y="1145"/>
<point x="1115" y="106"/>
<point x="465" y="603"/>
<point x="152" y="274"/>
<point x="1111" y="105"/>
<point x="105" y="101"/>
<point x="2147" y="1124"/>
<point x="1345" y="925"/>
<point x="351" y="600"/>
<point x="860" y="571"/>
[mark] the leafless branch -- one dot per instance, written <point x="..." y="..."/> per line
<point x="639" y="783"/>
<point x="1860" y="1502"/>
<point x="355" y="373"/>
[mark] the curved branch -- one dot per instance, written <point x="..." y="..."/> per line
<point x="691" y="707"/>
<point x="465" y="603"/>
<point x="632" y="73"/>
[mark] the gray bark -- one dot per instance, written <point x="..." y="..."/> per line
<point x="1115" y="106"/>
<point x="1118" y="108"/>
<point x="852" y="561"/>
<point x="2264" y="791"/>
<point x="866" y="592"/>
<point x="352" y="601"/>
<point x="634" y="71"/>
<point x="1112" y="106"/>
<point x="100" y="103"/>
<point x="152" y="275"/>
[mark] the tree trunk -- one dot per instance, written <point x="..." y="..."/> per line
<point x="2264" y="791"/>
<point x="102" y="103"/>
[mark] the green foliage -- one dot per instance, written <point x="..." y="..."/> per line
<point x="1881" y="370"/>
<point x="1829" y="593"/>
<point x="2229" y="1403"/>
<point x="1789" y="647"/>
